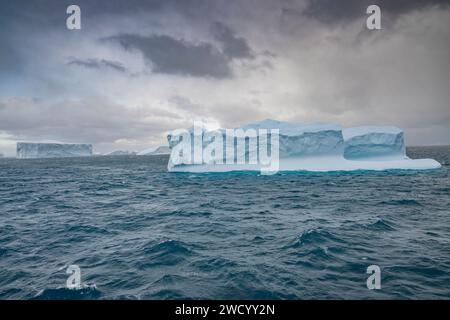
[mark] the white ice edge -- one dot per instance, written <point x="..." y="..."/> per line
<point x="319" y="164"/>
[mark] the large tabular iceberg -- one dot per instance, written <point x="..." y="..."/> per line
<point x="304" y="147"/>
<point x="27" y="150"/>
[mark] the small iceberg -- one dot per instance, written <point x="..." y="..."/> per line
<point x="318" y="147"/>
<point x="121" y="153"/>
<point x="154" y="151"/>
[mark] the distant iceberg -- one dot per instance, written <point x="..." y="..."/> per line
<point x="155" y="151"/>
<point x="121" y="153"/>
<point x="301" y="147"/>
<point x="27" y="150"/>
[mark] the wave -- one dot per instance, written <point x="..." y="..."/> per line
<point x="86" y="292"/>
<point x="167" y="253"/>
<point x="315" y="236"/>
<point x="380" y="225"/>
<point x="401" y="202"/>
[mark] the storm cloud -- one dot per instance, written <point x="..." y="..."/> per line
<point x="233" y="47"/>
<point x="166" y="54"/>
<point x="137" y="68"/>
<point x="331" y="11"/>
<point x="97" y="64"/>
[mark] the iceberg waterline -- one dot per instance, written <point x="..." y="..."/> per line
<point x="318" y="147"/>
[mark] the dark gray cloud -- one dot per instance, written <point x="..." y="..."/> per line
<point x="170" y="55"/>
<point x="332" y="11"/>
<point x="98" y="64"/>
<point x="48" y="12"/>
<point x="51" y="13"/>
<point x="177" y="56"/>
<point x="233" y="47"/>
<point x="9" y="59"/>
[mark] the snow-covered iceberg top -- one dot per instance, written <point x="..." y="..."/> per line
<point x="352" y="132"/>
<point x="293" y="129"/>
<point x="285" y="146"/>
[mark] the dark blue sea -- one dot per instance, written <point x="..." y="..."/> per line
<point x="139" y="232"/>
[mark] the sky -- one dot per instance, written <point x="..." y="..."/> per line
<point x="139" y="69"/>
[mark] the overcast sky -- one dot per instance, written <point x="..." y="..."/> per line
<point x="138" y="69"/>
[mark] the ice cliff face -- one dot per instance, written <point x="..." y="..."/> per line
<point x="304" y="139"/>
<point x="27" y="150"/>
<point x="309" y="147"/>
<point x="309" y="139"/>
<point x="371" y="142"/>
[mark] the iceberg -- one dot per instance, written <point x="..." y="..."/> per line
<point x="121" y="153"/>
<point x="372" y="142"/>
<point x="27" y="150"/>
<point x="318" y="147"/>
<point x="155" y="151"/>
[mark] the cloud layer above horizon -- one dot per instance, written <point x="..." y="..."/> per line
<point x="138" y="69"/>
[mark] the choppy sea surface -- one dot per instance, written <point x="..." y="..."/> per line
<point x="139" y="232"/>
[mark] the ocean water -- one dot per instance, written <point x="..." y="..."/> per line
<point x="138" y="232"/>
